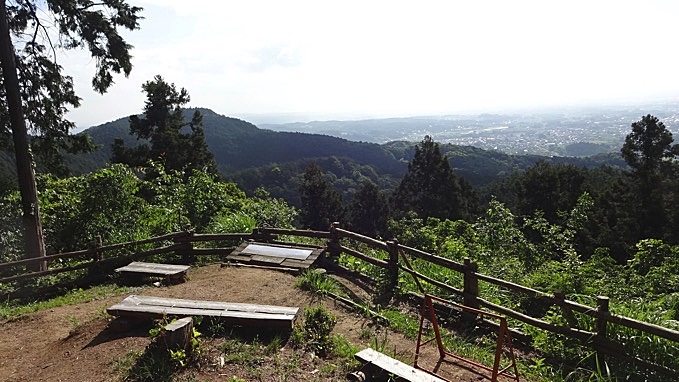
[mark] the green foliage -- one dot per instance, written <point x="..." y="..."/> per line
<point x="116" y="204"/>
<point x="314" y="333"/>
<point x="321" y="203"/>
<point x="231" y="223"/>
<point x="369" y="211"/>
<point x="542" y="255"/>
<point x="316" y="282"/>
<point x="11" y="233"/>
<point x="648" y="147"/>
<point x="430" y="188"/>
<point x="46" y="93"/>
<point x="267" y="211"/>
<point x="163" y="127"/>
<point x="194" y="198"/>
<point x="550" y="189"/>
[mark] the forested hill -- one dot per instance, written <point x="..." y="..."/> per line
<point x="256" y="157"/>
<point x="238" y="145"/>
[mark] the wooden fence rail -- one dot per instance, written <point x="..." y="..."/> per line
<point x="470" y="292"/>
<point x="470" y="277"/>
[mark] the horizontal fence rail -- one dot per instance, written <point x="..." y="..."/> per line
<point x="183" y="243"/>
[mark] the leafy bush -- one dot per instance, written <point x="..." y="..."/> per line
<point x="314" y="334"/>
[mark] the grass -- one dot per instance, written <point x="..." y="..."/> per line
<point x="13" y="309"/>
<point x="317" y="282"/>
<point x="477" y="347"/>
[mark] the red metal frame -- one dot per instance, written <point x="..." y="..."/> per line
<point x="503" y="338"/>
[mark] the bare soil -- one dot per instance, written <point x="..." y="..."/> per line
<point x="82" y="343"/>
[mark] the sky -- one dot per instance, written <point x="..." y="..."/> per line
<point x="279" y="61"/>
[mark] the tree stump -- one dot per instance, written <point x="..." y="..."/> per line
<point x="178" y="334"/>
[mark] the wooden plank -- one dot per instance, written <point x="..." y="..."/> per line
<point x="232" y="318"/>
<point x="277" y="251"/>
<point x="296" y="232"/>
<point x="366" y="258"/>
<point x="238" y="257"/>
<point x="362" y="238"/>
<point x="395" y="367"/>
<point x="296" y="263"/>
<point x="267" y="259"/>
<point x="237" y="314"/>
<point x="121" y="309"/>
<point x="158" y="266"/>
<point x="207" y="305"/>
<point x="154" y="268"/>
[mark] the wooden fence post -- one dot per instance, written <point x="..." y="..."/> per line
<point x="333" y="244"/>
<point x="186" y="251"/>
<point x="97" y="256"/>
<point x="392" y="271"/>
<point x="602" y="306"/>
<point x="98" y="243"/>
<point x="262" y="235"/>
<point x="602" y="303"/>
<point x="471" y="290"/>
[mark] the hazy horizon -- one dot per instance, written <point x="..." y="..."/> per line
<point x="391" y="58"/>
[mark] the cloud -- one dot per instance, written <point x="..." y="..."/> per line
<point x="274" y="56"/>
<point x="397" y="56"/>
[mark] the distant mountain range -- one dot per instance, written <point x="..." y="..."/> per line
<point x="582" y="131"/>
<point x="275" y="160"/>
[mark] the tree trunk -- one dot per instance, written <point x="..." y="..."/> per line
<point x="34" y="243"/>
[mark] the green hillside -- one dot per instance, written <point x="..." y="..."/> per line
<point x="238" y="145"/>
<point x="255" y="157"/>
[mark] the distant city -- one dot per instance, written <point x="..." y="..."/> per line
<point x="567" y="132"/>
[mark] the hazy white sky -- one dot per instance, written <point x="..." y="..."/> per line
<point x="392" y="58"/>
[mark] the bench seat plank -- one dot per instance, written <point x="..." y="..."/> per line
<point x="207" y="305"/>
<point x="231" y="313"/>
<point x="154" y="268"/>
<point x="395" y="367"/>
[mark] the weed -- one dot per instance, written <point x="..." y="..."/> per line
<point x="365" y="334"/>
<point x="314" y="334"/>
<point x="344" y="349"/>
<point x="317" y="282"/>
<point x="273" y="346"/>
<point x="380" y="344"/>
<point x="154" y="364"/>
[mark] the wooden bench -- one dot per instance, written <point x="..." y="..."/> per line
<point x="395" y="367"/>
<point x="281" y="317"/>
<point x="171" y="272"/>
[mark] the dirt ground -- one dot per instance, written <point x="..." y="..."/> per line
<point x="79" y="343"/>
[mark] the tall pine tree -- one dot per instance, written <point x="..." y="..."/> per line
<point x="321" y="203"/>
<point x="648" y="150"/>
<point x="179" y="144"/>
<point x="430" y="188"/>
<point x="369" y="210"/>
<point x="35" y="94"/>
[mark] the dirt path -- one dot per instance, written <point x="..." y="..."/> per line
<point x="75" y="343"/>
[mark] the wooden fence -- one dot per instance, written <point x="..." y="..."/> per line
<point x="182" y="243"/>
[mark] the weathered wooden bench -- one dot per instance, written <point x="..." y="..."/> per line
<point x="394" y="366"/>
<point x="171" y="272"/>
<point x="280" y="317"/>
